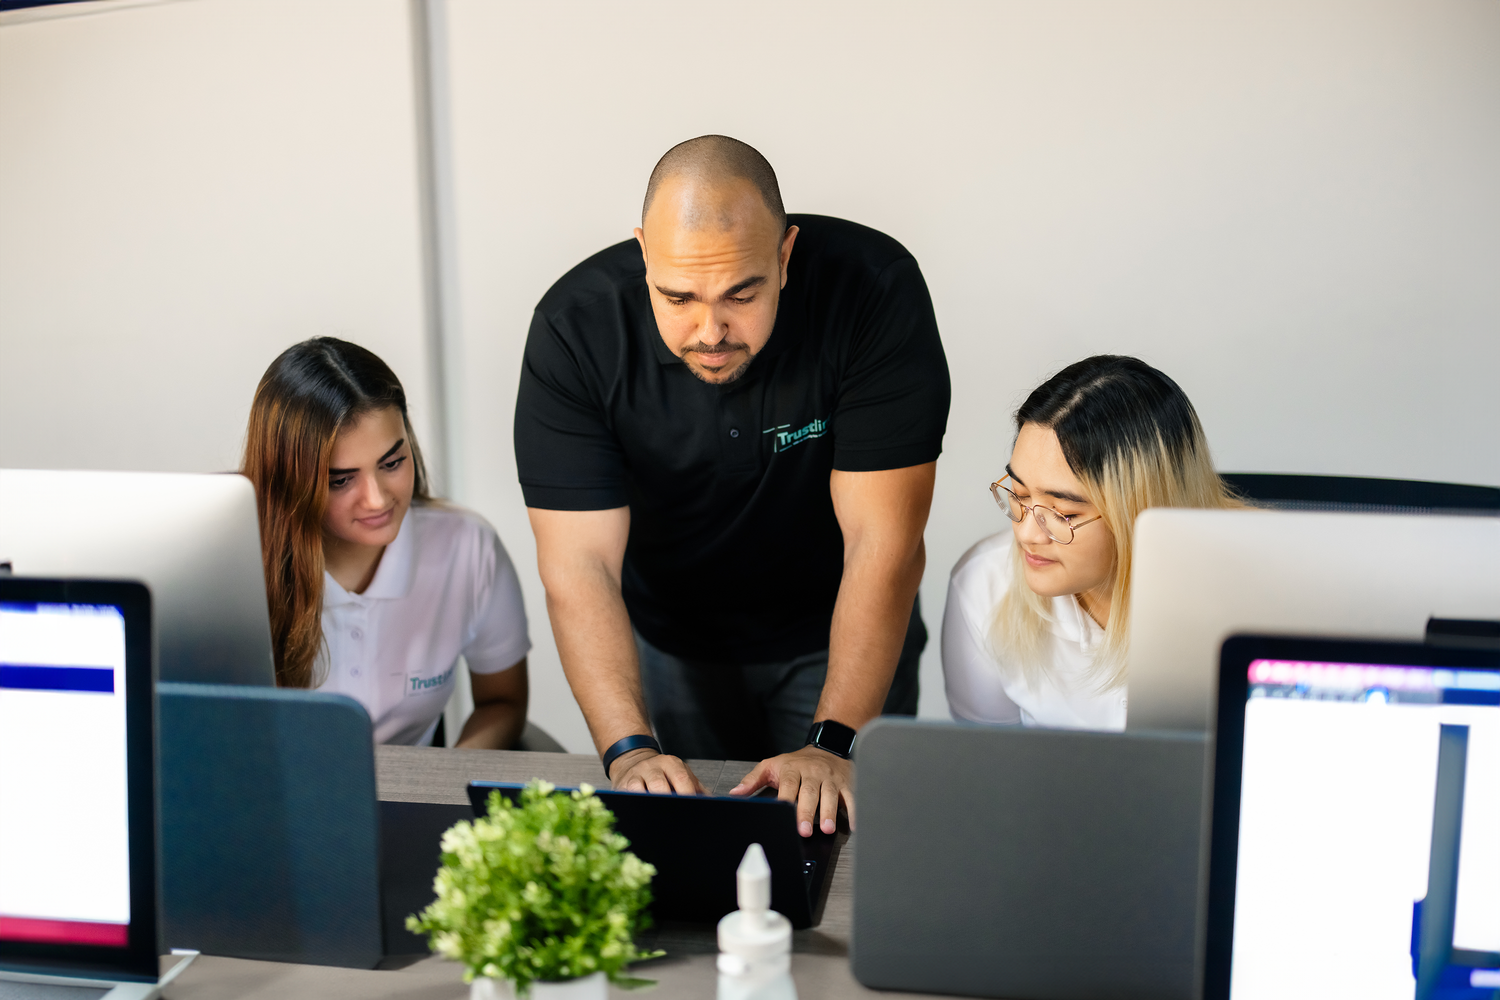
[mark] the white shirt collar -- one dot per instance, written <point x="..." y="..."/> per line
<point x="392" y="577"/>
<point x="1071" y="622"/>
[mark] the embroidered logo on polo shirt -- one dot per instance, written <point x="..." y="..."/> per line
<point x="417" y="684"/>
<point x="786" y="438"/>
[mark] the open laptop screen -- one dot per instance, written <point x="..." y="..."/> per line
<point x="64" y="854"/>
<point x="1341" y="822"/>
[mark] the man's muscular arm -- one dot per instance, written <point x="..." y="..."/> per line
<point x="580" y="554"/>
<point x="882" y="516"/>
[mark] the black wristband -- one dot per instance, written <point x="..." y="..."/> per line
<point x="622" y="747"/>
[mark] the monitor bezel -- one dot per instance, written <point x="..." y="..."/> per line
<point x="139" y="960"/>
<point x="1236" y="655"/>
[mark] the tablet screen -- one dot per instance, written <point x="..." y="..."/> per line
<point x="64" y="839"/>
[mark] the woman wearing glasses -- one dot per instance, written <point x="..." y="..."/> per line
<point x="1035" y="628"/>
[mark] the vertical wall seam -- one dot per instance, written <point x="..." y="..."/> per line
<point x="431" y="101"/>
<point x="434" y="124"/>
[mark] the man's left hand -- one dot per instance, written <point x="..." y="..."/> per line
<point x="814" y="779"/>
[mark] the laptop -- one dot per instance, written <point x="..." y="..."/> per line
<point x="1356" y="822"/>
<point x="697" y="842"/>
<point x="1200" y="576"/>
<point x="1032" y="864"/>
<point x="194" y="539"/>
<point x="78" y="891"/>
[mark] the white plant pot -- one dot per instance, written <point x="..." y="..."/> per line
<point x="592" y="987"/>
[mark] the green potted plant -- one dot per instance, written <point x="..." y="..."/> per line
<point x="540" y="899"/>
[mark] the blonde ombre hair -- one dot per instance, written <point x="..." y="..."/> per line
<point x="1132" y="438"/>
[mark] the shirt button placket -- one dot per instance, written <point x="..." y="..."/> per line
<point x="357" y="633"/>
<point x="740" y="449"/>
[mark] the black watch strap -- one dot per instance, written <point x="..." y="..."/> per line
<point x="620" y="748"/>
<point x="835" y="737"/>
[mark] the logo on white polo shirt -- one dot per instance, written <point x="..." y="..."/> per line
<point x="417" y="684"/>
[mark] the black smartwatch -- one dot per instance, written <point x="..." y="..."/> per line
<point x="835" y="737"/>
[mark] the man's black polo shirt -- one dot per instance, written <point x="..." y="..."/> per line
<point x="734" y="554"/>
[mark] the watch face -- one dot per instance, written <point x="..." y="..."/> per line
<point x="834" y="737"/>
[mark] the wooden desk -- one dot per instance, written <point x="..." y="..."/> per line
<point x="820" y="962"/>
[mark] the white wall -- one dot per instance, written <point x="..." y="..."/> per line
<point x="186" y="189"/>
<point x="1289" y="207"/>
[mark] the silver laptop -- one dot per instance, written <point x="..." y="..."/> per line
<point x="1033" y="864"/>
<point x="193" y="539"/>
<point x="1199" y="576"/>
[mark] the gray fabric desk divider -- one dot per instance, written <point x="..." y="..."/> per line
<point x="270" y="833"/>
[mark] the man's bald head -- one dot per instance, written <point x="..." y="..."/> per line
<point x="710" y="161"/>
<point x="716" y="244"/>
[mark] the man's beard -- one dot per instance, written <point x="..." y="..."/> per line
<point x="699" y="347"/>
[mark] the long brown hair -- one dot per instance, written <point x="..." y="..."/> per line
<point x="311" y="391"/>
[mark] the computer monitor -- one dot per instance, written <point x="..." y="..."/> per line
<point x="78" y="890"/>
<point x="1356" y="822"/>
<point x="193" y="539"/>
<point x="1199" y="576"/>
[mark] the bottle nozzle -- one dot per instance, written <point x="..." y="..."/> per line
<point x="755" y="940"/>
<point x="753" y="880"/>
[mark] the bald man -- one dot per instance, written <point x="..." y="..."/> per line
<point x="726" y="433"/>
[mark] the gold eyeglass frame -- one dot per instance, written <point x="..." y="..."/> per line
<point x="1032" y="509"/>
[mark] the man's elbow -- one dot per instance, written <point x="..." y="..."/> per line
<point x="901" y="561"/>
<point x="916" y="563"/>
<point x="580" y="576"/>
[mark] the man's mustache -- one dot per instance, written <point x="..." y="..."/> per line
<point x="722" y="347"/>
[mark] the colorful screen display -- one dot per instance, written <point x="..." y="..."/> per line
<point x="64" y="842"/>
<point x="1337" y="816"/>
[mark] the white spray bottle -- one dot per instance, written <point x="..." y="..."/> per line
<point x="755" y="942"/>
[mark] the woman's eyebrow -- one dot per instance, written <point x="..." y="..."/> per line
<point x="349" y="472"/>
<point x="1073" y="497"/>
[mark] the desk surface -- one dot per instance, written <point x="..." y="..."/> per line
<point x="820" y="963"/>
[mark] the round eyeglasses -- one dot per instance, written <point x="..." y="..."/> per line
<point x="1059" y="527"/>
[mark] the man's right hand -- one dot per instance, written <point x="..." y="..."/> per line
<point x="645" y="770"/>
<point x="580" y="554"/>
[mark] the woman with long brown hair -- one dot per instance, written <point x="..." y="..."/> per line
<point x="376" y="589"/>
